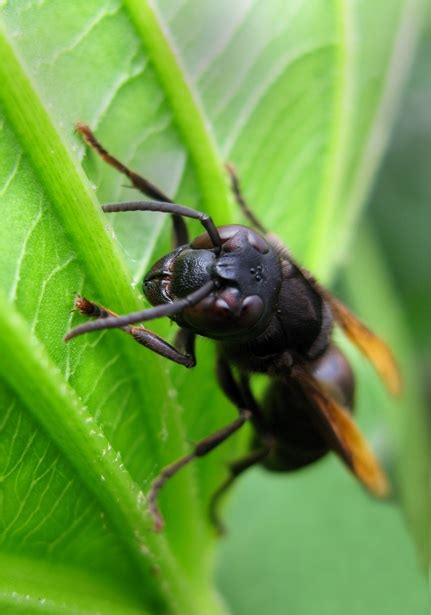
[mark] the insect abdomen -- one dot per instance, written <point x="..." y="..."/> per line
<point x="289" y="412"/>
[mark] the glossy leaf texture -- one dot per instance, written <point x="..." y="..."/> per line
<point x="300" y="95"/>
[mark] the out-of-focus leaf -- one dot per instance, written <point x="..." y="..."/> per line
<point x="400" y="206"/>
<point x="406" y="420"/>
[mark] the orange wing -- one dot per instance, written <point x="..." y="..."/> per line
<point x="340" y="432"/>
<point x="370" y="345"/>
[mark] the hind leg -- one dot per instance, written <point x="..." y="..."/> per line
<point x="200" y="449"/>
<point x="235" y="469"/>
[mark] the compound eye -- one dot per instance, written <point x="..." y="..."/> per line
<point x="258" y="242"/>
<point x="251" y="310"/>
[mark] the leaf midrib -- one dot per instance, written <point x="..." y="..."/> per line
<point x="186" y="108"/>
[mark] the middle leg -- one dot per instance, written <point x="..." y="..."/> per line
<point x="239" y="393"/>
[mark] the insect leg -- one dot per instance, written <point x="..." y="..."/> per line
<point x="140" y="183"/>
<point x="228" y="384"/>
<point x="250" y="400"/>
<point x="201" y="448"/>
<point x="185" y="340"/>
<point x="235" y="469"/>
<point x="239" y="394"/>
<point x="143" y="336"/>
<point x="243" y="205"/>
<point x="165" y="309"/>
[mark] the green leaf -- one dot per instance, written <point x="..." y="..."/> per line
<point x="405" y="180"/>
<point x="300" y="97"/>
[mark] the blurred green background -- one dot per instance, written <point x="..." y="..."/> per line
<point x="400" y="204"/>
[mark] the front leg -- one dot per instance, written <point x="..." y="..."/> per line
<point x="143" y="336"/>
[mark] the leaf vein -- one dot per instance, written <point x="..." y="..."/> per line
<point x="103" y="13"/>
<point x="20" y="260"/>
<point x="12" y="175"/>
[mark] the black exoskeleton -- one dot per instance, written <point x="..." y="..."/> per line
<point x="240" y="287"/>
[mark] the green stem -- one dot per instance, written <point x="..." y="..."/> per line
<point x="63" y="179"/>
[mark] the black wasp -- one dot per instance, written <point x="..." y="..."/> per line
<point x="241" y="288"/>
